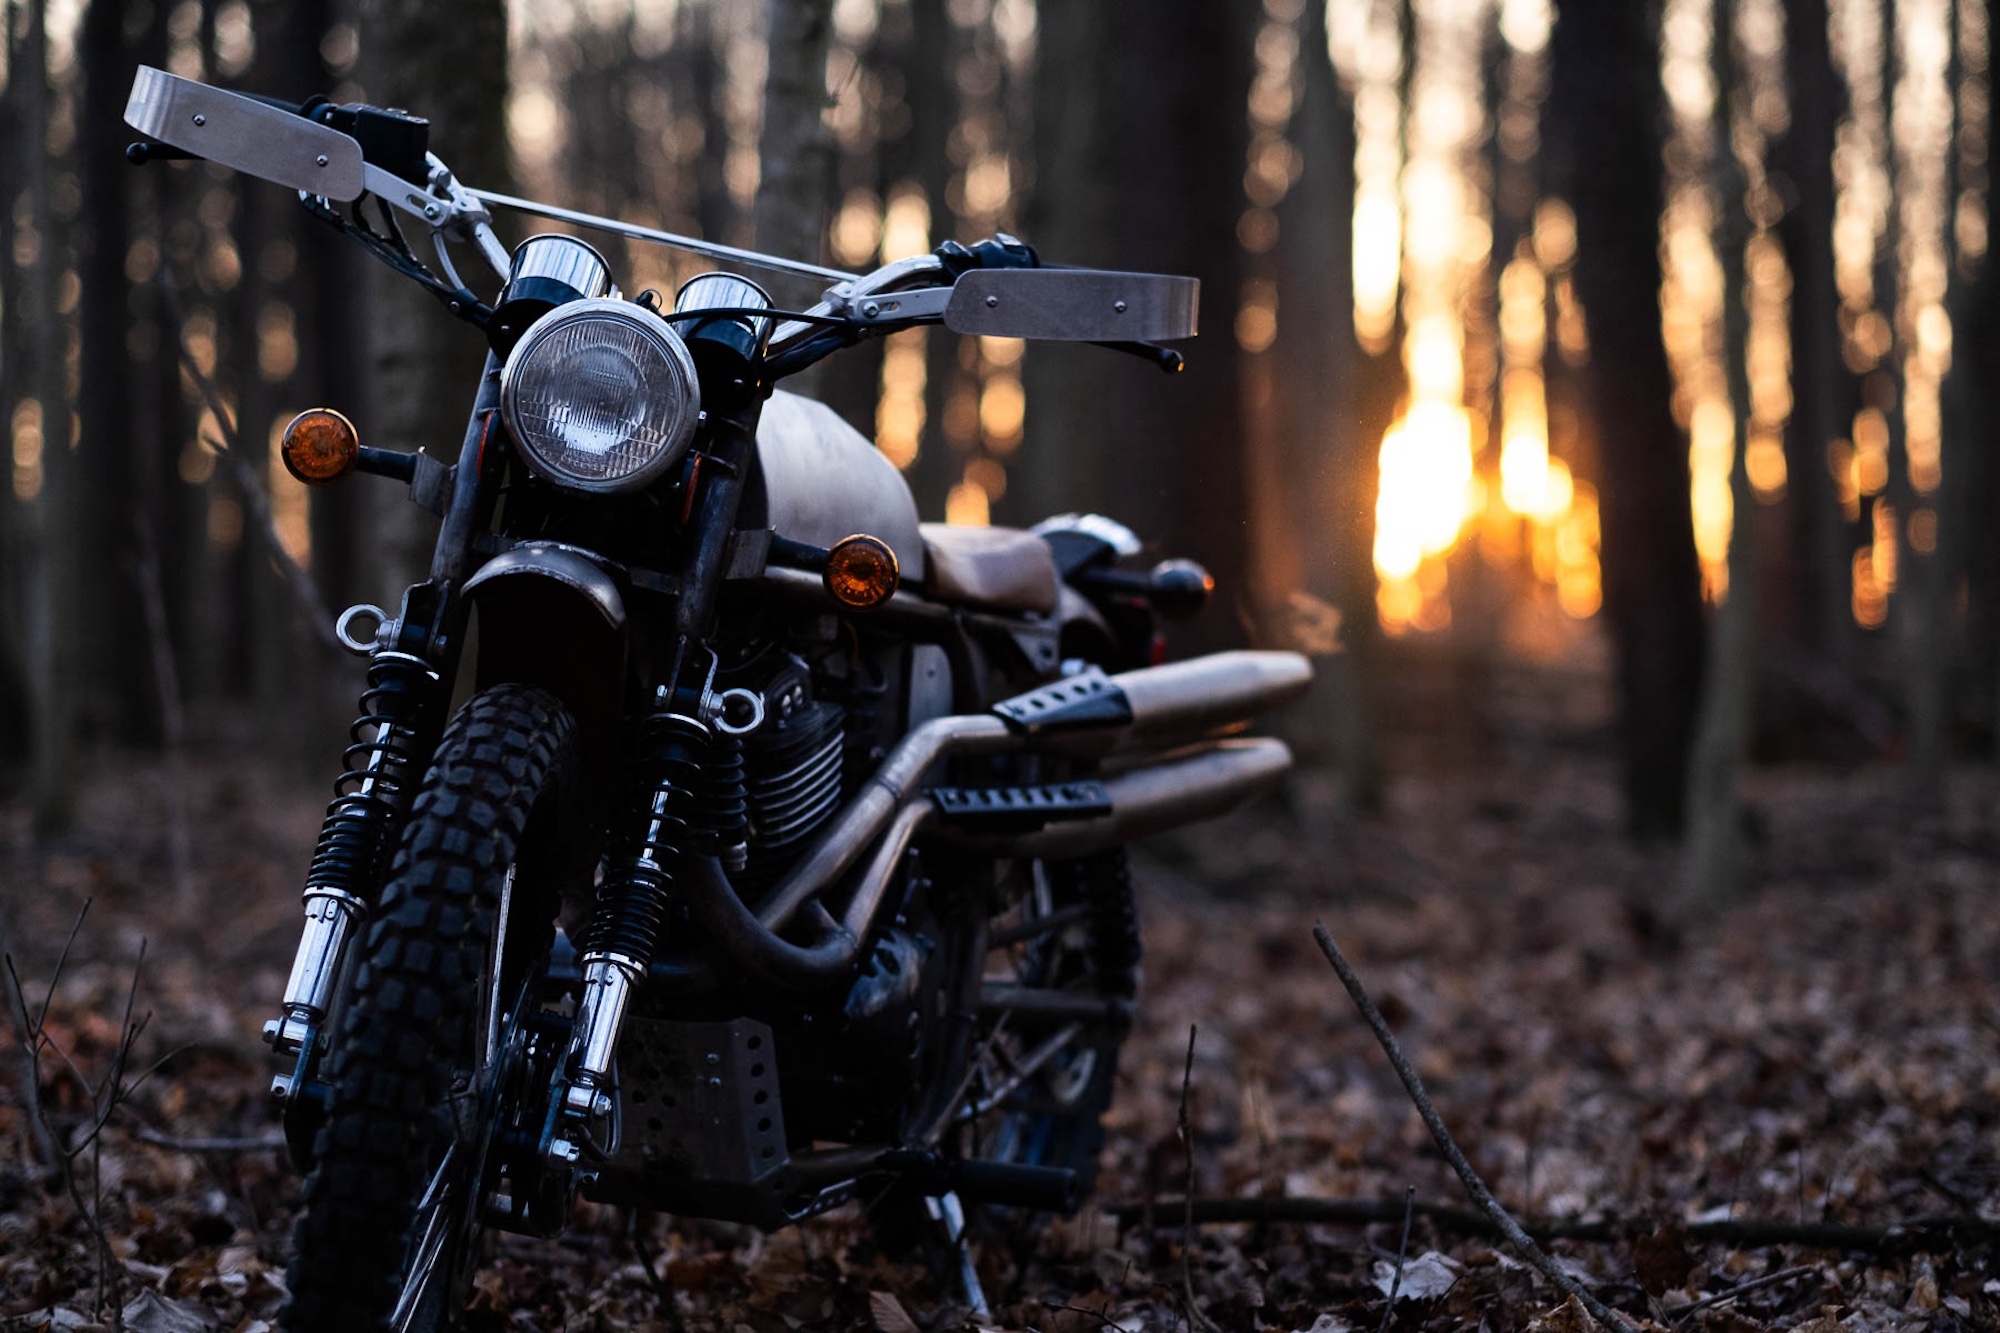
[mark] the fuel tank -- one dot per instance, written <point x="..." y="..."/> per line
<point x="823" y="480"/>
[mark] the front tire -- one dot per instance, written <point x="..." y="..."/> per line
<point x="389" y="1236"/>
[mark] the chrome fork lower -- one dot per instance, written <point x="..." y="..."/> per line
<point x="331" y="918"/>
<point x="608" y="980"/>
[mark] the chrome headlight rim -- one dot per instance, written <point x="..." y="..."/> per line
<point x="660" y="336"/>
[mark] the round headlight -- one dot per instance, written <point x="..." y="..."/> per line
<point x="600" y="395"/>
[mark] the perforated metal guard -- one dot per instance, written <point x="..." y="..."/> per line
<point x="701" y="1123"/>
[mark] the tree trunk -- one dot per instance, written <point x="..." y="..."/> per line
<point x="110" y="614"/>
<point x="1712" y="865"/>
<point x="934" y="110"/>
<point x="15" y="703"/>
<point x="794" y="151"/>
<point x="1140" y="141"/>
<point x="446" y="61"/>
<point x="1327" y="460"/>
<point x="49" y="529"/>
<point x="1820" y="619"/>
<point x="1606" y="119"/>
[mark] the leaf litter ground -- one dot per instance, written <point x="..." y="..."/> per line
<point x="1828" y="1049"/>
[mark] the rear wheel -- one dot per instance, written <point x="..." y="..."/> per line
<point x="1040" y="1084"/>
<point x="429" y="1045"/>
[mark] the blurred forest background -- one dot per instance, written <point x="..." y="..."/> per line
<point x="1529" y="330"/>
<point x="1602" y="392"/>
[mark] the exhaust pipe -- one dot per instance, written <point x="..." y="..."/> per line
<point x="1086" y="715"/>
<point x="1187" y="700"/>
<point x="1180" y="789"/>
<point x="1090" y="714"/>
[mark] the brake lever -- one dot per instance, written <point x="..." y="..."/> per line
<point x="447" y="208"/>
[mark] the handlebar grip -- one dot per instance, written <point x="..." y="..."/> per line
<point x="146" y="150"/>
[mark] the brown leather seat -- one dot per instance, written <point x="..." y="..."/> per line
<point x="1005" y="569"/>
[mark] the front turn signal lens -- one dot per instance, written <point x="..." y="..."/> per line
<point x="861" y="572"/>
<point x="320" y="447"/>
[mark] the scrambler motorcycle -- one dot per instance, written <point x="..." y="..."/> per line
<point x="773" y="858"/>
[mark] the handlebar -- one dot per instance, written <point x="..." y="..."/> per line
<point x="995" y="287"/>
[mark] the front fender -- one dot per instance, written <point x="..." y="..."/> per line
<point x="551" y="616"/>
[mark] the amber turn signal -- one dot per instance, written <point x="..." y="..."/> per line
<point x="861" y="572"/>
<point x="320" y="447"/>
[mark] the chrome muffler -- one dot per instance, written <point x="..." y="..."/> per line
<point x="1091" y="715"/>
<point x="1182" y="788"/>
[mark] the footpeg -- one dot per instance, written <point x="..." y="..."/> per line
<point x="1045" y="1189"/>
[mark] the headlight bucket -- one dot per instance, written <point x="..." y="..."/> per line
<point x="601" y="396"/>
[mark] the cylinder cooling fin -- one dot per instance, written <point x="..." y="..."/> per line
<point x="792" y="773"/>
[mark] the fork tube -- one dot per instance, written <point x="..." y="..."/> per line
<point x="474" y="480"/>
<point x="724" y="467"/>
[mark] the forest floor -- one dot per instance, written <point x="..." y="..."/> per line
<point x="1827" y="1050"/>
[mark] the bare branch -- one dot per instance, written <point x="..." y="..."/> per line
<point x="1474" y="1186"/>
<point x="275" y="1143"/>
<point x="62" y="960"/>
<point x="47" y="1149"/>
<point x="305" y="591"/>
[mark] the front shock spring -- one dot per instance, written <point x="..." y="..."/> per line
<point x="623" y="936"/>
<point x="358" y="836"/>
<point x="655" y="830"/>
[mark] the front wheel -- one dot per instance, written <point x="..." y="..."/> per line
<point x="445" y="988"/>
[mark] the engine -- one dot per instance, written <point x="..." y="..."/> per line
<point x="792" y="773"/>
<point x="831" y="709"/>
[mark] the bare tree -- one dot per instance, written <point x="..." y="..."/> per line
<point x="795" y="155"/>
<point x="1606" y="101"/>
<point x="1140" y="142"/>
<point x="49" y="537"/>
<point x="446" y="61"/>
<point x="1712" y="868"/>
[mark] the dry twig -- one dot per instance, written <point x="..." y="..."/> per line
<point x="1195" y="1315"/>
<point x="1099" y="1315"/>
<point x="1917" y="1233"/>
<point x="47" y="1150"/>
<point x="1402" y="1253"/>
<point x="104" y="1096"/>
<point x="663" y="1291"/>
<point x="1685" y="1312"/>
<point x="1474" y="1186"/>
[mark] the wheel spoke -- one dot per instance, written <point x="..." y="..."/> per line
<point x="1034" y="927"/>
<point x="435" y="1210"/>
<point x="1023" y="1070"/>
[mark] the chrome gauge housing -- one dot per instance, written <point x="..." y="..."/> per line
<point x="601" y="396"/>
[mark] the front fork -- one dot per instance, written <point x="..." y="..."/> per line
<point x="350" y="862"/>
<point x="410" y="668"/>
<point x="682" y="777"/>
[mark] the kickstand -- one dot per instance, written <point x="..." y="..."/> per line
<point x="949" y="1215"/>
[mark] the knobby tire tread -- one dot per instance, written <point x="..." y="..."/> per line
<point x="415" y="997"/>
